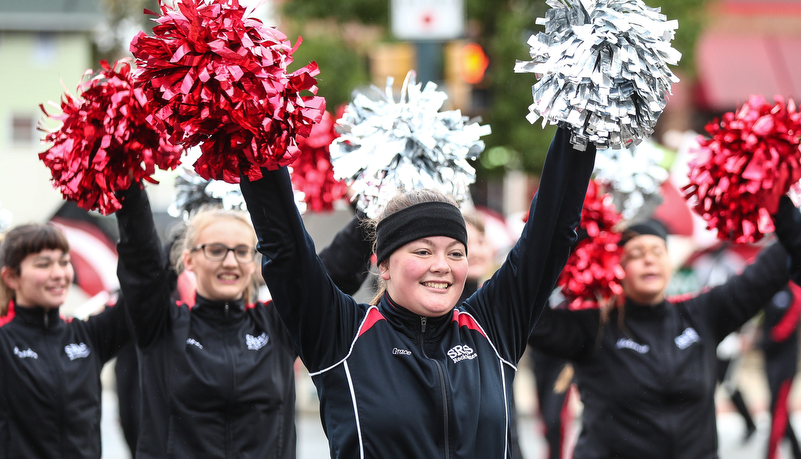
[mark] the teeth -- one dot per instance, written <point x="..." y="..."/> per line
<point x="228" y="276"/>
<point x="436" y="284"/>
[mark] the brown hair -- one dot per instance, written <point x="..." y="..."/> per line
<point x="21" y="241"/>
<point x="205" y="216"/>
<point x="396" y="204"/>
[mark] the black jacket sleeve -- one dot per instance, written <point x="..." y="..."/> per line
<point x="728" y="306"/>
<point x="788" y="228"/>
<point x="347" y="258"/>
<point x="141" y="267"/>
<point x="109" y="331"/>
<point x="510" y="302"/>
<point x="567" y="334"/>
<point x="321" y="320"/>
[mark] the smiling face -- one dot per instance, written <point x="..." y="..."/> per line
<point x="647" y="267"/>
<point x="44" y="279"/>
<point x="227" y="279"/>
<point x="426" y="276"/>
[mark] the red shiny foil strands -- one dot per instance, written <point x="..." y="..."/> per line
<point x="104" y="143"/>
<point x="750" y="161"/>
<point x="593" y="273"/>
<point x="217" y="78"/>
<point x="312" y="172"/>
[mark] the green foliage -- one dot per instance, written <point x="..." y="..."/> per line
<point x="502" y="27"/>
<point x="342" y="68"/>
<point x="364" y="11"/>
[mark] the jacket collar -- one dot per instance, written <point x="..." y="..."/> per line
<point x="219" y="311"/>
<point x="645" y="311"/>
<point x="413" y="325"/>
<point x="37" y="316"/>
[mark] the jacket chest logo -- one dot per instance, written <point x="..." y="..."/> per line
<point x="77" y="351"/>
<point x="461" y="352"/>
<point x="194" y="342"/>
<point x="256" y="342"/>
<point x="687" y="337"/>
<point x="26" y="354"/>
<point x="626" y="343"/>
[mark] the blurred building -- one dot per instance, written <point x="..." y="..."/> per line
<point x="42" y="42"/>
<point x="748" y="47"/>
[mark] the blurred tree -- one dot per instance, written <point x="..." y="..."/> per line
<point x="502" y="28"/>
<point x="338" y="36"/>
<point x="124" y="18"/>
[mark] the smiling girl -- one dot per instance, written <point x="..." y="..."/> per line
<point x="415" y="373"/>
<point x="50" y="367"/>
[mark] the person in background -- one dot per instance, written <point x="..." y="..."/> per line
<point x="780" y="349"/>
<point x="645" y="369"/>
<point x="50" y="390"/>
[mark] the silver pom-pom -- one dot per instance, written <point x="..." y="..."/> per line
<point x="634" y="178"/>
<point x="5" y="220"/>
<point x="193" y="191"/>
<point x="387" y="146"/>
<point x="602" y="69"/>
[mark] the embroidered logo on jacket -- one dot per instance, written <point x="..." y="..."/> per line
<point x="687" y="337"/>
<point x="26" y="354"/>
<point x="396" y="351"/>
<point x="77" y="351"/>
<point x="194" y="342"/>
<point x="256" y="342"/>
<point x="625" y="343"/>
<point x="461" y="352"/>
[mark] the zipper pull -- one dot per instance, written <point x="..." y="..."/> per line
<point x="226" y="309"/>
<point x="46" y="320"/>
<point x="423" y="322"/>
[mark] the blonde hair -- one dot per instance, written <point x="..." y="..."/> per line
<point x="396" y="204"/>
<point x="205" y="216"/>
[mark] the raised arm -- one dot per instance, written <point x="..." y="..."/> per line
<point x="141" y="267"/>
<point x="511" y="301"/>
<point x="567" y="334"/>
<point x="320" y="318"/>
<point x="730" y="305"/>
<point x="347" y="257"/>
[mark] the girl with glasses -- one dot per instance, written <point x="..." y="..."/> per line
<point x="217" y="379"/>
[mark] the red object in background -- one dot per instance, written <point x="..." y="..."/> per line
<point x="93" y="255"/>
<point x="674" y="211"/>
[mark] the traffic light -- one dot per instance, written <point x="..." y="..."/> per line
<point x="473" y="63"/>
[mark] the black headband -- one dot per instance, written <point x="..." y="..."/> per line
<point x="651" y="227"/>
<point x="418" y="221"/>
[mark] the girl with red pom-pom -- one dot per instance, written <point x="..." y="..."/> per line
<point x="646" y="371"/>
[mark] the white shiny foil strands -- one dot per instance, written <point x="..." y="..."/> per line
<point x="387" y="146"/>
<point x="633" y="177"/>
<point x="193" y="191"/>
<point x="603" y="70"/>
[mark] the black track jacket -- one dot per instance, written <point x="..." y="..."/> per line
<point x="396" y="385"/>
<point x="648" y="383"/>
<point x="50" y="389"/>
<point x="217" y="380"/>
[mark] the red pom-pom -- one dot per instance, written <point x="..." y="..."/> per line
<point x="313" y="173"/>
<point x="215" y="77"/>
<point x="752" y="159"/>
<point x="593" y="273"/>
<point x="105" y="143"/>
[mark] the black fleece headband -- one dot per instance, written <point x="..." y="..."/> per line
<point x="651" y="227"/>
<point x="418" y="221"/>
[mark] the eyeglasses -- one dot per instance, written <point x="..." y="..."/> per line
<point x="218" y="252"/>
